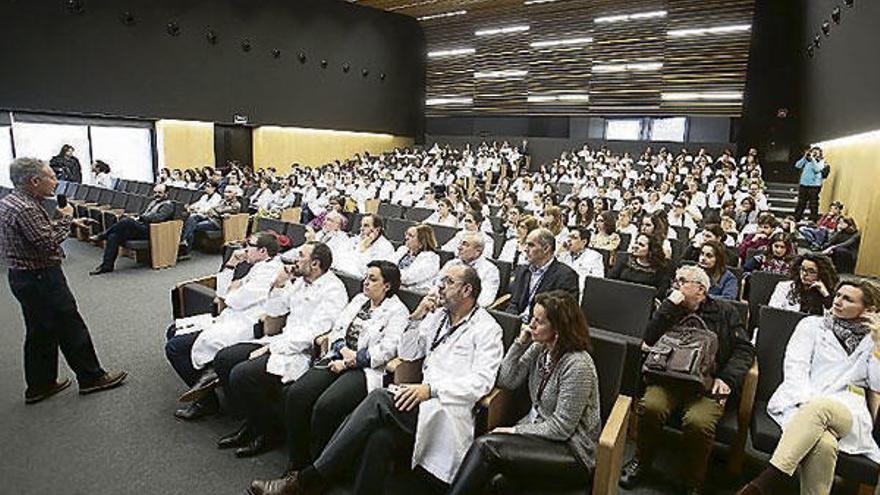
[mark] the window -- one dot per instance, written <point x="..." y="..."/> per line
<point x="128" y="151"/>
<point x="623" y="129"/>
<point x="5" y="154"/>
<point x="44" y="141"/>
<point x="670" y="129"/>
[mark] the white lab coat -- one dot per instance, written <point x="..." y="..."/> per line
<point x="205" y="203"/>
<point x="589" y="264"/>
<point x="419" y="276"/>
<point x="244" y="307"/>
<point x="779" y="298"/>
<point x="312" y="309"/>
<point x="490" y="279"/>
<point x="449" y="221"/>
<point x="381" y="333"/>
<point x="460" y="370"/>
<point x="354" y="261"/>
<point x="816" y="365"/>
<point x="488" y="243"/>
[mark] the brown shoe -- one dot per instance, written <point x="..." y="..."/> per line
<point x="106" y="382"/>
<point x="32" y="396"/>
<point x="288" y="485"/>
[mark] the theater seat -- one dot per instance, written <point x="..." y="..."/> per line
<point x="160" y="247"/>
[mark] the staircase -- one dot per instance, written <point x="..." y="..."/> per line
<point x="782" y="198"/>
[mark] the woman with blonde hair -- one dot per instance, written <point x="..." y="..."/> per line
<point x="417" y="259"/>
<point x="514" y="249"/>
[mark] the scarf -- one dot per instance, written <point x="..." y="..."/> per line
<point x="848" y="332"/>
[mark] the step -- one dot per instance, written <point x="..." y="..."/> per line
<point x="782" y="201"/>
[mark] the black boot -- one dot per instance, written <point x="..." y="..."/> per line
<point x="256" y="446"/>
<point x="235" y="439"/>
<point x="632" y="474"/>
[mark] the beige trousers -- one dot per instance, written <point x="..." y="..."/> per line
<point x="809" y="441"/>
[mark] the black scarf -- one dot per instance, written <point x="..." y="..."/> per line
<point x="848" y="332"/>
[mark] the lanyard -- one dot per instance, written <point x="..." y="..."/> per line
<point x="439" y="340"/>
<point x="546" y="369"/>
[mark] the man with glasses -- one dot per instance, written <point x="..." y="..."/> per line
<point x="700" y="411"/>
<point x="428" y="200"/>
<point x="470" y="253"/>
<point x="191" y="354"/>
<point x="460" y="344"/>
<point x="543" y="274"/>
<point x="331" y="234"/>
<point x="679" y="217"/>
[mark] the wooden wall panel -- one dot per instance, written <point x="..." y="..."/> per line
<point x="708" y="63"/>
<point x="185" y="144"/>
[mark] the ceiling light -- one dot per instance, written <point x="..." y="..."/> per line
<point x="564" y="42"/>
<point x="566" y="98"/>
<point x="702" y="96"/>
<point x="449" y="100"/>
<point x="500" y="74"/>
<point x="451" y="53"/>
<point x="737" y="28"/>
<point x="503" y="30"/>
<point x="440" y="16"/>
<point x="634" y="66"/>
<point x="536" y="2"/>
<point x="654" y="14"/>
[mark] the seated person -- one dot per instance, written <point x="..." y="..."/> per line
<point x="722" y="282"/>
<point x="710" y="232"/>
<point x="312" y="297"/>
<point x="808" y="289"/>
<point x="191" y="354"/>
<point x="261" y="197"/>
<point x="605" y="236"/>
<point x="656" y="225"/>
<point x="462" y="349"/>
<point x="330" y="234"/>
<point x="417" y="260"/>
<point x="470" y="253"/>
<point x="514" y="249"/>
<point x="583" y="260"/>
<point x="337" y="205"/>
<point x="767" y="223"/>
<point x="444" y="215"/>
<point x="775" y="258"/>
<point x="160" y="209"/>
<point x="368" y="246"/>
<point x="365" y="336"/>
<point x="816" y="235"/>
<point x="471" y="221"/>
<point x="282" y="199"/>
<point x="207" y="220"/>
<point x="429" y="200"/>
<point x="830" y="362"/>
<point x="558" y="437"/>
<point x="700" y="410"/>
<point x="843" y="245"/>
<point x="646" y="264"/>
<point x="543" y="274"/>
<point x="679" y="217"/>
<point x="206" y="201"/>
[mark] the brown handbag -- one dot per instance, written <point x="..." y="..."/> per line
<point x="686" y="353"/>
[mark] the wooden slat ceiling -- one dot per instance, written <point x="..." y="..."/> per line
<point x="710" y="63"/>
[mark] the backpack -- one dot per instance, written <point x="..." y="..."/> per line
<point x="685" y="353"/>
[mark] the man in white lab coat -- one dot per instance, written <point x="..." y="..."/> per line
<point x="461" y="346"/>
<point x="470" y="253"/>
<point x="583" y="260"/>
<point x="190" y="354"/>
<point x="371" y="244"/>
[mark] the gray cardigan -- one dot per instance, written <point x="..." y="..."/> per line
<point x="568" y="410"/>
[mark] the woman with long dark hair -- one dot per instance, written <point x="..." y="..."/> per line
<point x="713" y="260"/>
<point x="809" y="288"/>
<point x="558" y="437"/>
<point x="65" y="165"/>
<point x="646" y="265"/>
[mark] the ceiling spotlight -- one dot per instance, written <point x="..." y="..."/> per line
<point x="246" y="45"/>
<point x="848" y="3"/>
<point x="817" y="41"/>
<point x="810" y="51"/>
<point x="835" y="15"/>
<point x="211" y="36"/>
<point x="302" y="57"/>
<point x="173" y="28"/>
<point x="382" y="76"/>
<point x="276" y="53"/>
<point x="346" y="67"/>
<point x="324" y="64"/>
<point x="826" y="28"/>
<point x="75" y="6"/>
<point x="127" y="18"/>
<point x="365" y="72"/>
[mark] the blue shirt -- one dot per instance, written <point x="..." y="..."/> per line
<point x="811" y="173"/>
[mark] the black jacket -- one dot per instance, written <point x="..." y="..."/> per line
<point x="157" y="210"/>
<point x="66" y="168"/>
<point x="735" y="352"/>
<point x="558" y="276"/>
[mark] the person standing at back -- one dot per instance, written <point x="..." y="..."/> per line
<point x="66" y="166"/>
<point x="30" y="246"/>
<point x="812" y="168"/>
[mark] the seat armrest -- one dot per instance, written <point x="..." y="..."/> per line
<point x="408" y="372"/>
<point x="500" y="302"/>
<point x="164" y="241"/>
<point x="612" y="442"/>
<point x="291" y="215"/>
<point x="747" y="398"/>
<point x="234" y="227"/>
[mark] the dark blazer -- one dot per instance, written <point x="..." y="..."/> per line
<point x="157" y="210"/>
<point x="558" y="276"/>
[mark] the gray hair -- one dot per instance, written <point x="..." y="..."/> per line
<point x="476" y="238"/>
<point x="694" y="274"/>
<point x="22" y="169"/>
<point x="545" y="238"/>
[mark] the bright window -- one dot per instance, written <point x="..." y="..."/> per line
<point x="128" y="151"/>
<point x="5" y="154"/>
<point x="44" y="141"/>
<point x="623" y="129"/>
<point x="671" y="129"/>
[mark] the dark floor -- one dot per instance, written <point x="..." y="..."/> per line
<point x="127" y="441"/>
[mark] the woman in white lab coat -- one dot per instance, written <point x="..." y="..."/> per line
<point x="809" y="291"/>
<point x="365" y="336"/>
<point x="417" y="260"/>
<point x="831" y="362"/>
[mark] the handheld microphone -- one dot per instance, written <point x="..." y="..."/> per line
<point x="61" y="200"/>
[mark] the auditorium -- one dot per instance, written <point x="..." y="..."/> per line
<point x="464" y="247"/>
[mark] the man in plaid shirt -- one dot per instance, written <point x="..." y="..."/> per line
<point x="30" y="245"/>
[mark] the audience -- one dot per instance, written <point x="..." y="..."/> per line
<point x="605" y="234"/>
<point x="767" y="223"/>
<point x="543" y="274"/>
<point x="444" y="215"/>
<point x="843" y="245"/>
<point x="816" y="234"/>
<point x="471" y="222"/>
<point x="417" y="259"/>
<point x="809" y="288"/>
<point x="558" y="438"/>
<point x="205" y="218"/>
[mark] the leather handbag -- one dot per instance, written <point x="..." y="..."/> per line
<point x="686" y="353"/>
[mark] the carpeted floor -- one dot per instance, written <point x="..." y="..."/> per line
<point x="127" y="441"/>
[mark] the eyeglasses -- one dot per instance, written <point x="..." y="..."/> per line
<point x="682" y="281"/>
<point x="252" y="244"/>
<point x="809" y="271"/>
<point x="448" y="281"/>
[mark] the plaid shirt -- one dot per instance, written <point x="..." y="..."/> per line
<point x="29" y="239"/>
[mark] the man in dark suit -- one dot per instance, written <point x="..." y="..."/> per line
<point x="543" y="274"/>
<point x="160" y="209"/>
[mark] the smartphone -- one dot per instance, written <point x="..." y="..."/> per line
<point x="61" y="200"/>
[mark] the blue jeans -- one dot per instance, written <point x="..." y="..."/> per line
<point x="193" y="224"/>
<point x="815" y="236"/>
<point x="178" y="349"/>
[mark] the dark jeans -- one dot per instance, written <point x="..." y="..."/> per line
<point x="52" y="320"/>
<point x="517" y="456"/>
<point x="808" y="197"/>
<point x="256" y="393"/>
<point x="368" y="439"/>
<point x="193" y="224"/>
<point x="224" y="362"/>
<point x="178" y="351"/>
<point x="127" y="229"/>
<point x="315" y="406"/>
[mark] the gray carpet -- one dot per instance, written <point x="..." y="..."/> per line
<point x="127" y="440"/>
